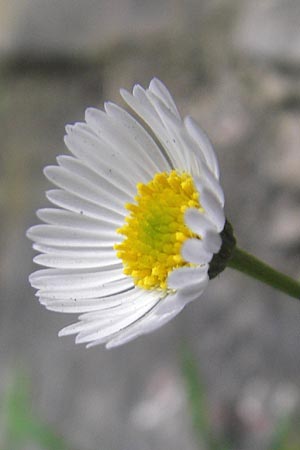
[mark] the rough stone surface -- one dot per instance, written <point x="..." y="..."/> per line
<point x="244" y="335"/>
<point x="270" y="30"/>
<point x="81" y="28"/>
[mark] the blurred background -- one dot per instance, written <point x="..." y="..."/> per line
<point x="223" y="375"/>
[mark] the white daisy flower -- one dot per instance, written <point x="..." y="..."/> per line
<point x="137" y="223"/>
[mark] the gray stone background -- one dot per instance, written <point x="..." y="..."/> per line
<point x="235" y="66"/>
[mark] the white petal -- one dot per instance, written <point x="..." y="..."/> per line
<point x="100" y="329"/>
<point x="204" y="146"/>
<point x="84" y="188"/>
<point x="71" y="306"/>
<point x="147" y="325"/>
<point x="140" y="94"/>
<point x="192" y="292"/>
<point x="207" y="181"/>
<point x="183" y="296"/>
<point x="173" y="130"/>
<point x="73" y="279"/>
<point x="77" y="262"/>
<point x="75" y="304"/>
<point x="164" y="311"/>
<point x="75" y="258"/>
<point x="79" y="205"/>
<point x="100" y="156"/>
<point x="101" y="184"/>
<point x="213" y="209"/>
<point x="127" y="303"/>
<point x="194" y="251"/>
<point x="199" y="223"/>
<point x="105" y="127"/>
<point x="143" y="107"/>
<point x="70" y="237"/>
<point x="53" y="216"/>
<point x="86" y="252"/>
<point x="101" y="291"/>
<point x="146" y="146"/>
<point x="212" y="242"/>
<point x="185" y="276"/>
<point x="160" y="90"/>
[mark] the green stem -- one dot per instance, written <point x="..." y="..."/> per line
<point x="250" y="265"/>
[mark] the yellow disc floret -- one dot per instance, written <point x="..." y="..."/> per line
<point x="155" y="230"/>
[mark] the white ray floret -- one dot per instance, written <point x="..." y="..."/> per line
<point x="112" y="153"/>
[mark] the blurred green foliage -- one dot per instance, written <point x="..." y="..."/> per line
<point x="198" y="405"/>
<point x="20" y="426"/>
<point x="286" y="435"/>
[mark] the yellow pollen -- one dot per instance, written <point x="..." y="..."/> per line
<point x="155" y="230"/>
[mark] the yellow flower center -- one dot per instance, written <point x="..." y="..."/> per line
<point x="155" y="230"/>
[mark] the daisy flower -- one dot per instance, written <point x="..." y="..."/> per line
<point x="138" y="219"/>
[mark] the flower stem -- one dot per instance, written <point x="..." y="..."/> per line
<point x="252" y="266"/>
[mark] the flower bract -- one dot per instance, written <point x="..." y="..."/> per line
<point x="137" y="217"/>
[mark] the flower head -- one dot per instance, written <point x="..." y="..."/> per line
<point x="138" y="219"/>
